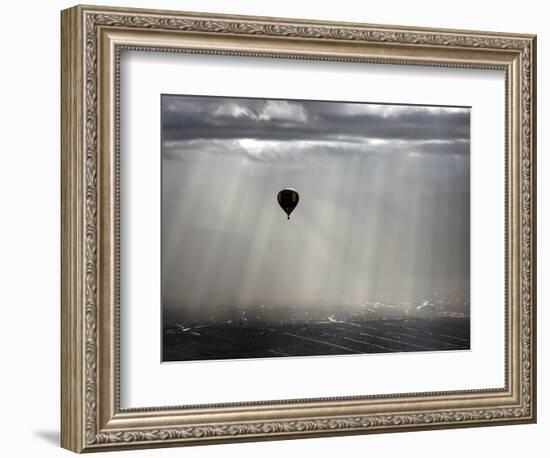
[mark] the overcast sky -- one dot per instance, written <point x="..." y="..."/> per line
<point x="384" y="201"/>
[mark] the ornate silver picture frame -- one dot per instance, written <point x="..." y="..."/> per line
<point x="93" y="40"/>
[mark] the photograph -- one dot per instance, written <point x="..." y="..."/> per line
<point x="313" y="228"/>
<point x="275" y="227"/>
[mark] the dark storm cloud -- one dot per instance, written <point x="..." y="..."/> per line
<point x="193" y="118"/>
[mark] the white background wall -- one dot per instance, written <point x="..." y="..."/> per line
<point x="30" y="212"/>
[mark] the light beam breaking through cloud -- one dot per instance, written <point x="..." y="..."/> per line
<point x="384" y="202"/>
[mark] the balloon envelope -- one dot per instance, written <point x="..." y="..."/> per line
<point x="288" y="199"/>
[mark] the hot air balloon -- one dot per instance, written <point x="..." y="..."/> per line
<point x="288" y="199"/>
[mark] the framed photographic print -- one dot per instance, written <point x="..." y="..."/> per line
<point x="277" y="228"/>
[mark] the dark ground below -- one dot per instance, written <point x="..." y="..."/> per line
<point x="237" y="340"/>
